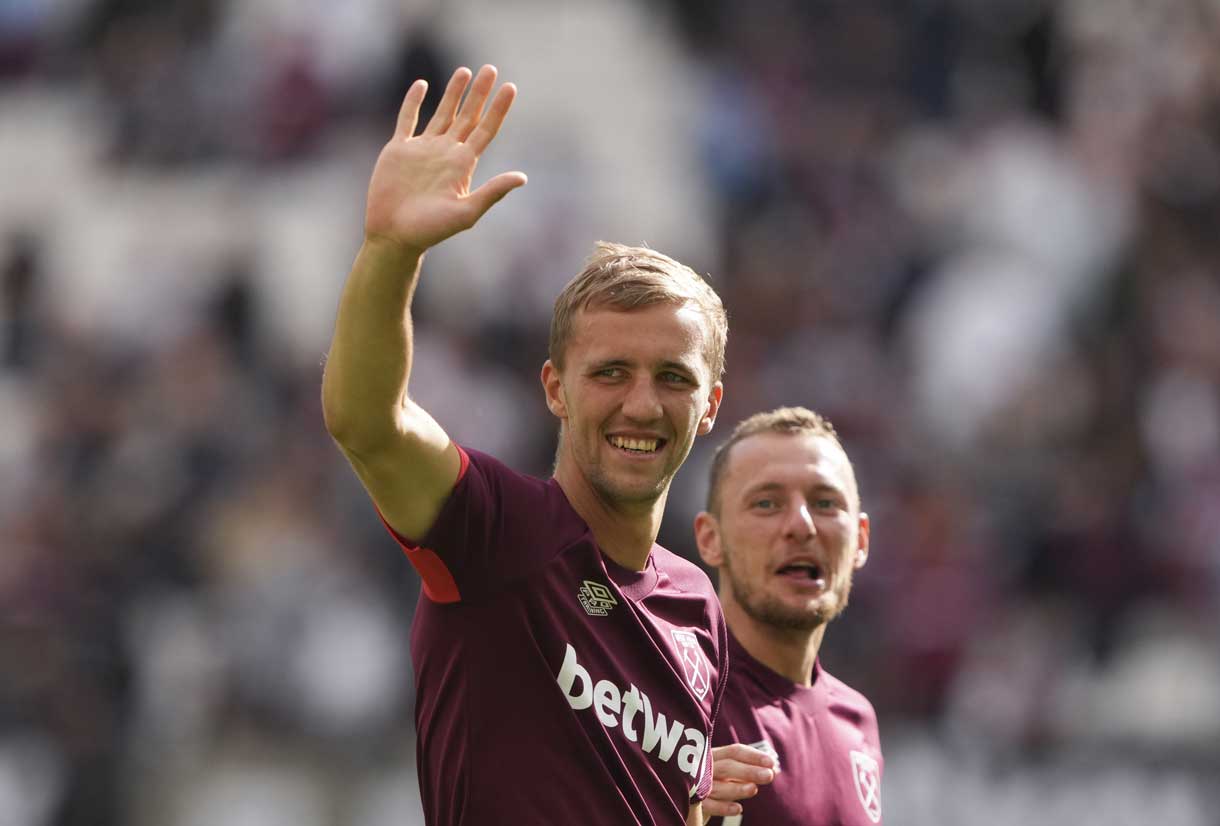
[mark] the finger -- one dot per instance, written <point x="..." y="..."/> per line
<point x="719" y="808"/>
<point x="486" y="196"/>
<point x="735" y="770"/>
<point x="472" y="108"/>
<point x="490" y="126"/>
<point x="726" y="791"/>
<point x="408" y="115"/>
<point x="743" y="754"/>
<point x="442" y="119"/>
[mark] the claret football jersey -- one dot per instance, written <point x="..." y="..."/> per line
<point x="554" y="686"/>
<point x="824" y="738"/>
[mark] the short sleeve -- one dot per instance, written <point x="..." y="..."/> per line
<point x="496" y="527"/>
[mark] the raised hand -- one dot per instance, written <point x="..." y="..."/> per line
<point x="420" y="192"/>
<point x="737" y="771"/>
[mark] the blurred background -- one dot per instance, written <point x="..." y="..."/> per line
<point x="980" y="235"/>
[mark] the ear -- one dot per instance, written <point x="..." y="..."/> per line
<point x="713" y="407"/>
<point x="862" y="541"/>
<point x="552" y="386"/>
<point x="707" y="538"/>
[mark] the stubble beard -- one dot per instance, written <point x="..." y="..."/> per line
<point x="614" y="491"/>
<point x="769" y="610"/>
<point x="632" y="492"/>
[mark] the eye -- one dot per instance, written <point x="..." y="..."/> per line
<point x="764" y="504"/>
<point x="670" y="377"/>
<point x="610" y="373"/>
<point x="826" y="504"/>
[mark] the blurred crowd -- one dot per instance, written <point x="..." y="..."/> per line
<point x="982" y="236"/>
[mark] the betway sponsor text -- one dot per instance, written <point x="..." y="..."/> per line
<point x="631" y="711"/>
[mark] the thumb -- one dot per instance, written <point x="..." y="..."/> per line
<point x="490" y="193"/>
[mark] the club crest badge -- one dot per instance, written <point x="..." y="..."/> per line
<point x="866" y="773"/>
<point x="694" y="663"/>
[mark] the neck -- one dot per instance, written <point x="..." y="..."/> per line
<point x="788" y="652"/>
<point x="625" y="532"/>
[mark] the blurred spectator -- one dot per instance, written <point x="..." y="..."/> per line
<point x="979" y="234"/>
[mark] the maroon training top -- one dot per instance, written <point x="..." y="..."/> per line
<point x="824" y="737"/>
<point x="552" y="685"/>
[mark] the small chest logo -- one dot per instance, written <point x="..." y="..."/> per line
<point x="595" y="598"/>
<point x="865" y="772"/>
<point x="694" y="663"/>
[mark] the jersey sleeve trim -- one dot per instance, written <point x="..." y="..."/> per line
<point x="722" y="689"/>
<point x="438" y="582"/>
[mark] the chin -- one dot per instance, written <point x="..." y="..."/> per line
<point x="827" y="610"/>
<point x="630" y="491"/>
<point x="808" y="615"/>
<point x="798" y="621"/>
<point x="785" y="616"/>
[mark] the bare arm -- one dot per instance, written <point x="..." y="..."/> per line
<point x="695" y="816"/>
<point x="419" y="195"/>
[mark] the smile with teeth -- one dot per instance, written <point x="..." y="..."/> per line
<point x="635" y="445"/>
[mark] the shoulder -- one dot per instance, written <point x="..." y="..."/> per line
<point x="840" y="692"/>
<point x="682" y="573"/>
<point x="846" y="701"/>
<point x="497" y="528"/>
<point x="478" y="463"/>
<point x="541" y="500"/>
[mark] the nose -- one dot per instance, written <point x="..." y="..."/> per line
<point x="799" y="527"/>
<point x="642" y="403"/>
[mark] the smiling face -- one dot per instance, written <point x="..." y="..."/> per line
<point x="789" y="533"/>
<point x="634" y="391"/>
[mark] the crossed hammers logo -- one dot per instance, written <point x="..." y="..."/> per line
<point x="868" y="784"/>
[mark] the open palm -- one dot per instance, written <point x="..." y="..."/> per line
<point x="420" y="191"/>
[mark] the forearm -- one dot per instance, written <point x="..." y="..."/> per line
<point x="369" y="362"/>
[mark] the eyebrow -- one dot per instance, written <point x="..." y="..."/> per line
<point x="677" y="365"/>
<point x="768" y="487"/>
<point x="665" y="365"/>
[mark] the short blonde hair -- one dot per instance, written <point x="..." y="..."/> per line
<point x="783" y="420"/>
<point x="626" y="278"/>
